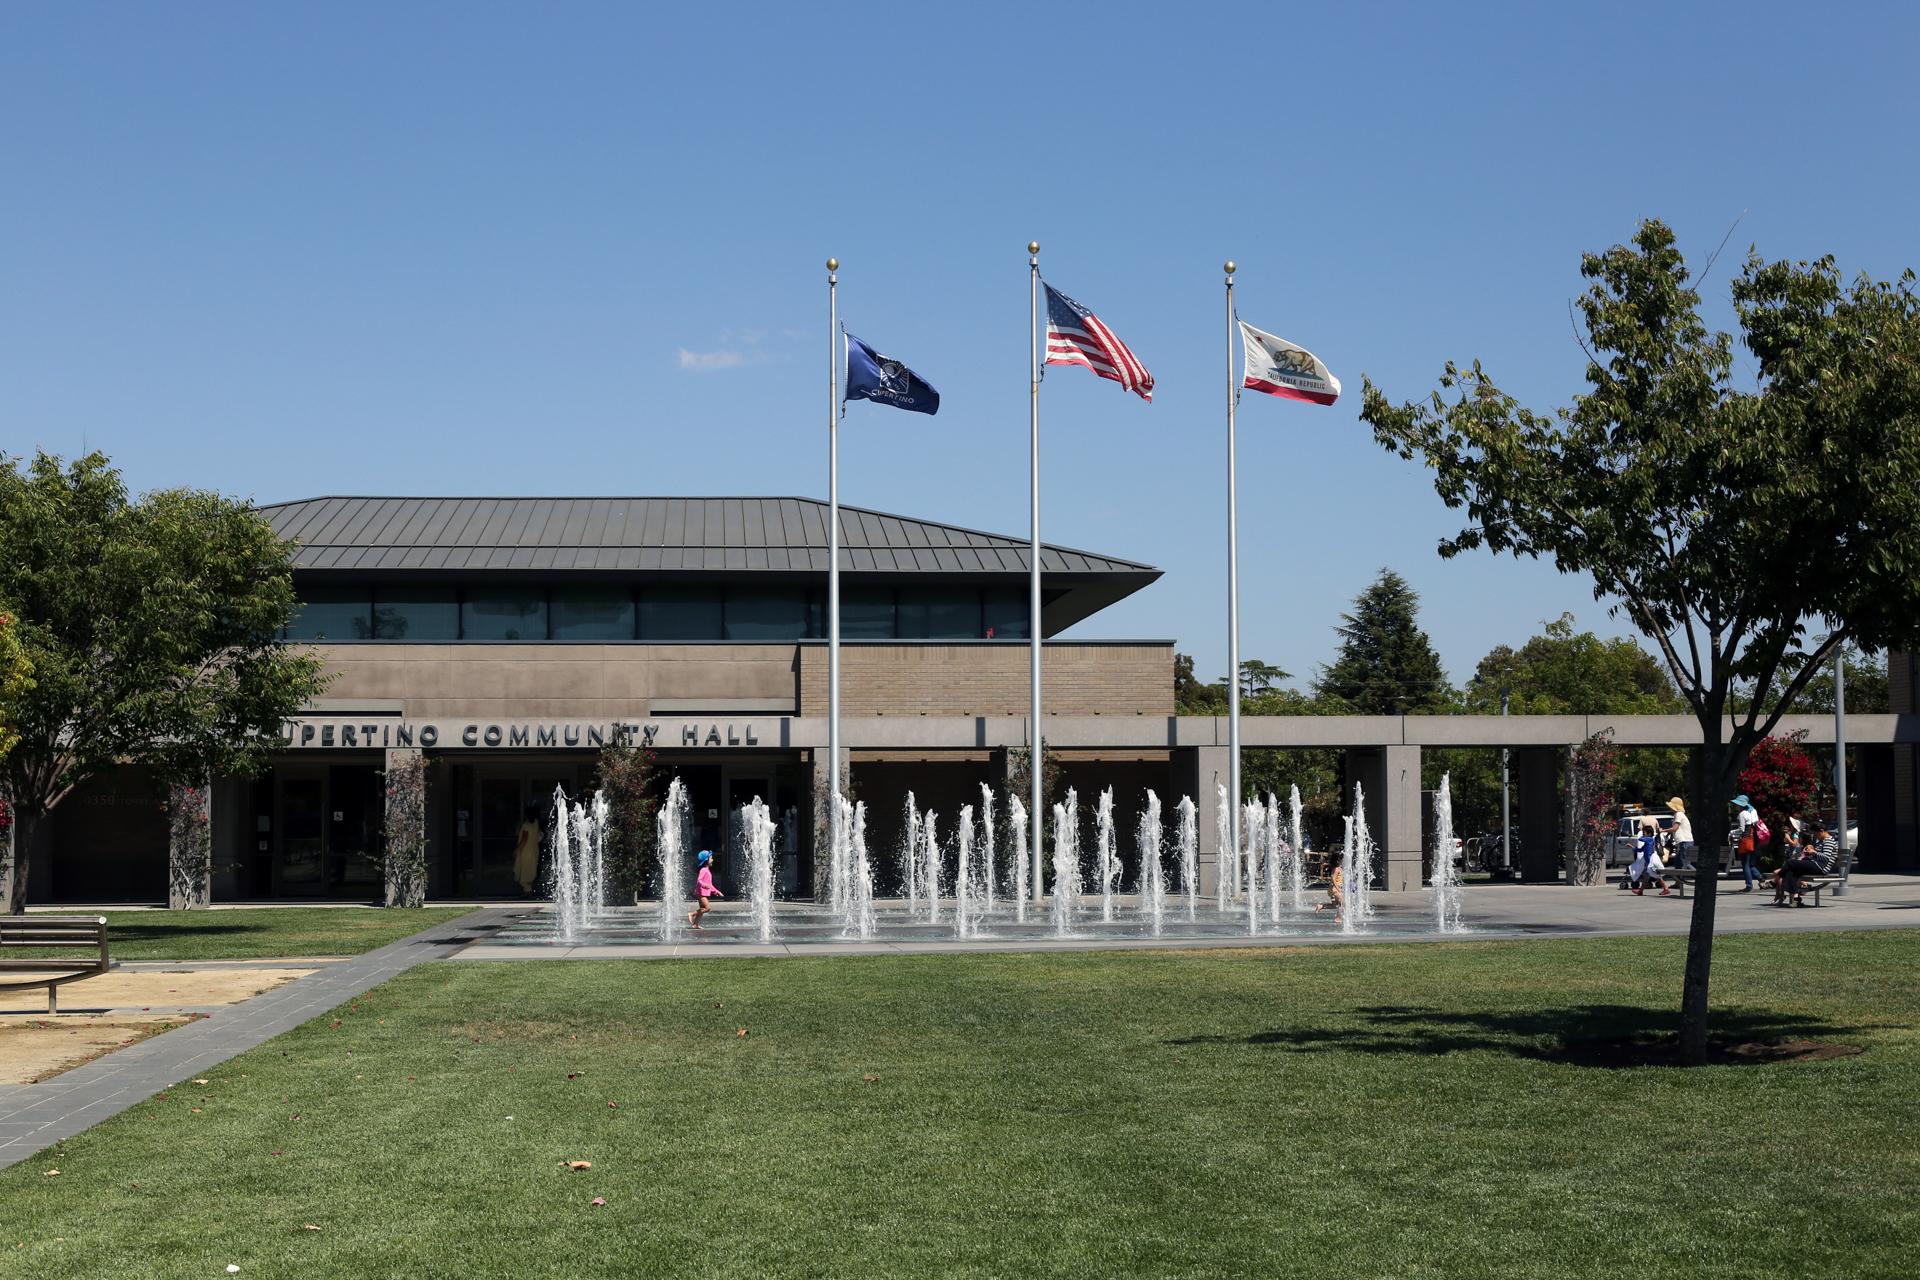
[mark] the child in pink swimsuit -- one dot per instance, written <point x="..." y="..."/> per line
<point x="704" y="888"/>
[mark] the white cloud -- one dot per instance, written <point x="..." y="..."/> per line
<point x="715" y="361"/>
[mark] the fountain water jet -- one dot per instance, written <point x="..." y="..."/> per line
<point x="1189" y="840"/>
<point x="1272" y="842"/>
<point x="1226" y="852"/>
<point x="1017" y="838"/>
<point x="1066" y="863"/>
<point x="670" y="847"/>
<point x="758" y="824"/>
<point x="1253" y="823"/>
<point x="1358" y="909"/>
<point x="1106" y="864"/>
<point x="1446" y="877"/>
<point x="1153" y="882"/>
<point x="986" y="841"/>
<point x="910" y="853"/>
<point x="560" y="881"/>
<point x="930" y="865"/>
<point x="1296" y="855"/>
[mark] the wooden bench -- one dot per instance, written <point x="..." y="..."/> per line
<point x="1680" y="879"/>
<point x="23" y="934"/>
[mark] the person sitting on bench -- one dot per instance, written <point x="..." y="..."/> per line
<point x="1819" y="851"/>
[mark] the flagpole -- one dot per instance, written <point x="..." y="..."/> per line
<point x="1037" y="822"/>
<point x="1233" y="601"/>
<point x="833" y="569"/>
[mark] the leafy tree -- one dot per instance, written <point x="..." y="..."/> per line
<point x="1257" y="677"/>
<point x="1748" y="532"/>
<point x="1564" y="672"/>
<point x="1386" y="665"/>
<point x="1594" y="772"/>
<point x="1192" y="697"/>
<point x="153" y="627"/>
<point x="16" y="677"/>
<point x="1867" y="688"/>
<point x="1779" y="778"/>
<point x="626" y="773"/>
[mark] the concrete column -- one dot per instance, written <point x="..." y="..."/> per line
<point x="820" y="778"/>
<point x="1200" y="772"/>
<point x="189" y="846"/>
<point x="1391" y="779"/>
<point x="1536" y="776"/>
<point x="406" y="827"/>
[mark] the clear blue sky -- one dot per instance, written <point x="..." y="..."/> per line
<point x="349" y="248"/>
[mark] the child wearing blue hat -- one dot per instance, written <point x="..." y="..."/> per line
<point x="704" y="887"/>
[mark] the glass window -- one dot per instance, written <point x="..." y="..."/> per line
<point x="504" y="615"/>
<point x="766" y="613"/>
<point x="1004" y="611"/>
<point x="592" y="613"/>
<point x="936" y="613"/>
<point x="866" y="613"/>
<point x="333" y="613"/>
<point x="680" y="613"/>
<point x="416" y="613"/>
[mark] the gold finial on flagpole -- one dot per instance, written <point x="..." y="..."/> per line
<point x="833" y="264"/>
<point x="1230" y="267"/>
<point x="1033" y="246"/>
<point x="1033" y="253"/>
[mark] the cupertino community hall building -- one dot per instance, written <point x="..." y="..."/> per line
<point x="508" y="639"/>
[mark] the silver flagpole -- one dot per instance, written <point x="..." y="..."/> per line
<point x="1037" y="822"/>
<point x="1233" y="601"/>
<point x="833" y="567"/>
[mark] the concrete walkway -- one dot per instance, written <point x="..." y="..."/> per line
<point x="35" y="1116"/>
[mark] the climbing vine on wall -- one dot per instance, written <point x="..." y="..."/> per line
<point x="189" y="846"/>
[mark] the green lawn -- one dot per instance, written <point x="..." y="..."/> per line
<point x="1342" y="1112"/>
<point x="244" y="934"/>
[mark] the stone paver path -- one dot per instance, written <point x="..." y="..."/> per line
<point x="35" y="1116"/>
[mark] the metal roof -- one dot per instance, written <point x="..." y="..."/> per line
<point x="649" y="535"/>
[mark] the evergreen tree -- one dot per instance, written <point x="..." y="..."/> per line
<point x="1386" y="665"/>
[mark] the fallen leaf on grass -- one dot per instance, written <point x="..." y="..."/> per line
<point x="613" y="1106"/>
<point x="308" y="1226"/>
<point x="203" y="1081"/>
<point x="598" y="1202"/>
<point x="51" y="1173"/>
<point x="194" y="1110"/>
<point x="575" y="1075"/>
<point x="741" y="1032"/>
<point x="578" y="1165"/>
<point x="871" y="1079"/>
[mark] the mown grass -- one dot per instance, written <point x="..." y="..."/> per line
<point x="1350" y="1112"/>
<point x="251" y="934"/>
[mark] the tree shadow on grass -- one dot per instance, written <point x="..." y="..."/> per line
<point x="1591" y="1035"/>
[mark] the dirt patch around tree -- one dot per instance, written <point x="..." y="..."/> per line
<point x="1664" y="1051"/>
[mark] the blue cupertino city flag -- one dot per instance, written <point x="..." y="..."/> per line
<point x="872" y="376"/>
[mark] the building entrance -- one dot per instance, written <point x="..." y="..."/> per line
<point x="492" y="805"/>
<point x="330" y="827"/>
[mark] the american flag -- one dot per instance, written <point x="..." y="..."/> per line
<point x="1076" y="336"/>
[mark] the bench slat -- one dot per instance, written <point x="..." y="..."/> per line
<point x="50" y="966"/>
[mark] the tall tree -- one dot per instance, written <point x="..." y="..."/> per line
<point x="16" y="677"/>
<point x="1749" y="533"/>
<point x="153" y="626"/>
<point x="1386" y="665"/>
<point x="1564" y="672"/>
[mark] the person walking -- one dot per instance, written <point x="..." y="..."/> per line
<point x="704" y="887"/>
<point x="1746" y="836"/>
<point x="1646" y="862"/>
<point x="526" y="851"/>
<point x="1680" y="838"/>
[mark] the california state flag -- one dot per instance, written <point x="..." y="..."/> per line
<point x="1279" y="368"/>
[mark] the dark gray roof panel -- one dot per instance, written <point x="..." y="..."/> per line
<point x="783" y="534"/>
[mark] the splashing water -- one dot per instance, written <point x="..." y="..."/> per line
<point x="1358" y="910"/>
<point x="963" y="921"/>
<point x="1296" y="855"/>
<point x="863" y="922"/>
<point x="1189" y="840"/>
<point x="910" y="853"/>
<point x="930" y="865"/>
<point x="1106" y="864"/>
<point x="1153" y="881"/>
<point x="1446" y="877"/>
<point x="1271" y="840"/>
<point x="1066" y="863"/>
<point x="671" y="849"/>
<point x="560" y="881"/>
<point x="758" y="827"/>
<point x="1253" y="825"/>
<point x="1017" y="838"/>
<point x="1226" y="853"/>
<point x="986" y="842"/>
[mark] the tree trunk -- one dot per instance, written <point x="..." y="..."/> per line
<point x="15" y="877"/>
<point x="1713" y="771"/>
